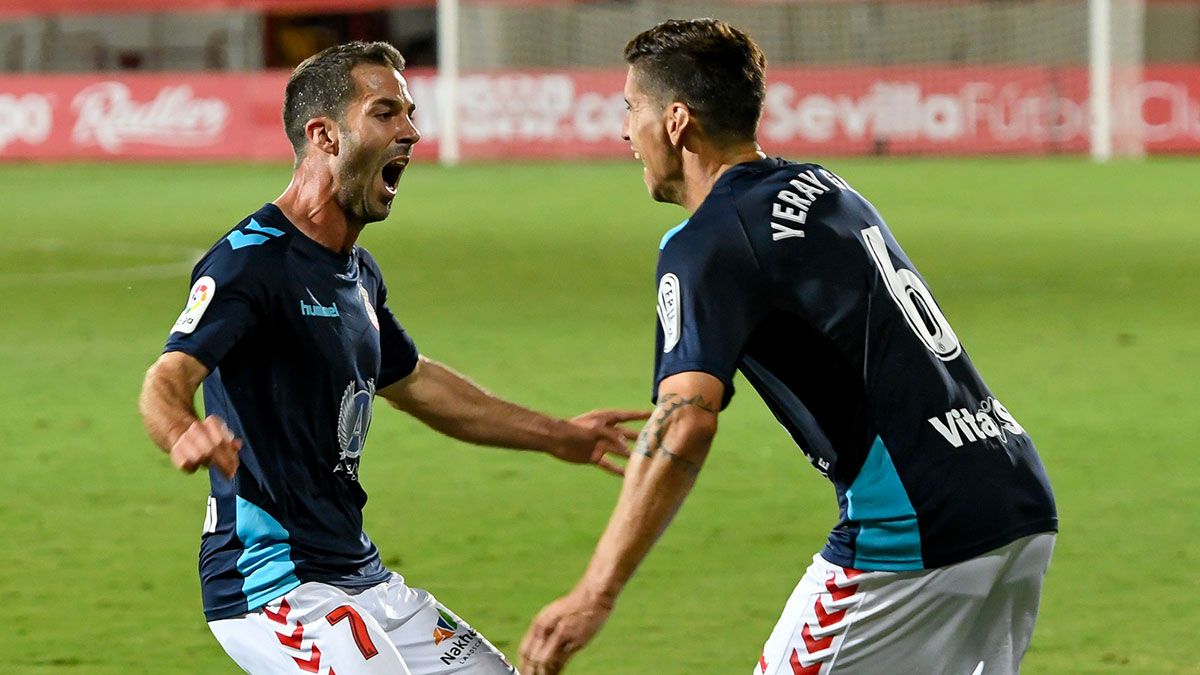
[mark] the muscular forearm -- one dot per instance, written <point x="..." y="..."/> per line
<point x="670" y="453"/>
<point x="486" y="420"/>
<point x="453" y="405"/>
<point x="166" y="402"/>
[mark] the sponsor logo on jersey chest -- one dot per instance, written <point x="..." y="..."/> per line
<point x="960" y="426"/>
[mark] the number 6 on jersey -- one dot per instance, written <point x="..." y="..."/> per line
<point x="914" y="300"/>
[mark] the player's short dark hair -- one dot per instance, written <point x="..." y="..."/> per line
<point x="321" y="85"/>
<point x="714" y="69"/>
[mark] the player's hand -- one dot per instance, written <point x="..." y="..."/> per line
<point x="207" y="442"/>
<point x="560" y="630"/>
<point x="595" y="435"/>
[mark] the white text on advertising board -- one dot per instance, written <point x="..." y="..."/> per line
<point x="108" y="116"/>
<point x="27" y="118"/>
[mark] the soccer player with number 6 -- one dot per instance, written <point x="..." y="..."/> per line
<point x="785" y="272"/>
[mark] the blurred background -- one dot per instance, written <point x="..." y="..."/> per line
<point x="1039" y="160"/>
<point x="541" y="78"/>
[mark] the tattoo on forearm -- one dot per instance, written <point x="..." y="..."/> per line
<point x="650" y="441"/>
<point x="689" y="467"/>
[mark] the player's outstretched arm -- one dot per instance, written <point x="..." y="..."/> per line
<point x="453" y="405"/>
<point x="169" y="414"/>
<point x="670" y="451"/>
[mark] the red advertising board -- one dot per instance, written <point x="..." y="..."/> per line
<point x="1166" y="108"/>
<point x="20" y="8"/>
<point x="162" y="116"/>
<point x="578" y="113"/>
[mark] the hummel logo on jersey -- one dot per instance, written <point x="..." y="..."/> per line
<point x="960" y="426"/>
<point x="316" y="309"/>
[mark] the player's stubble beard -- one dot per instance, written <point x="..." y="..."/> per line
<point x="667" y="185"/>
<point x="663" y="166"/>
<point x="357" y="173"/>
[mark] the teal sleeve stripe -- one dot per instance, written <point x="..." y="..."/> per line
<point x="271" y="231"/>
<point x="889" y="537"/>
<point x="265" y="564"/>
<point x="671" y="233"/>
<point x="239" y="239"/>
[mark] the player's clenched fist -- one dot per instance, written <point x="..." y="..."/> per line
<point x="562" y="628"/>
<point x="207" y="442"/>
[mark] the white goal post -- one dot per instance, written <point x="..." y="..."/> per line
<point x="1115" y="58"/>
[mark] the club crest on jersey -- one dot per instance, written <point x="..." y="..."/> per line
<point x="370" y="308"/>
<point x="198" y="301"/>
<point x="354" y="419"/>
<point x="668" y="310"/>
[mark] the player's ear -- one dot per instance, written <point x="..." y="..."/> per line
<point x="322" y="133"/>
<point x="678" y="119"/>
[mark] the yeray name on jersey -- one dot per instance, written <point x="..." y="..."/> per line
<point x="792" y="203"/>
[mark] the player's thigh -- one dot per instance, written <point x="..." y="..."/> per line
<point x="1022" y="587"/>
<point x="315" y="628"/>
<point x="432" y="639"/>
<point x="1004" y="627"/>
<point x="812" y="625"/>
<point x="252" y="645"/>
<point x="843" y="621"/>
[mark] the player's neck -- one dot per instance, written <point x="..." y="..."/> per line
<point x="310" y="203"/>
<point x="701" y="169"/>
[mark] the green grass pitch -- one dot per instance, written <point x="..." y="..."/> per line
<point x="1075" y="288"/>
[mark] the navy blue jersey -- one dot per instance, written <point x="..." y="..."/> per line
<point x="788" y="274"/>
<point x="298" y="338"/>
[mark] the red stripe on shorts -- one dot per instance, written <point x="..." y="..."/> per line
<point x="798" y="669"/>
<point x="281" y="615"/>
<point x="295" y="639"/>
<point x="813" y="645"/>
<point x="312" y="664"/>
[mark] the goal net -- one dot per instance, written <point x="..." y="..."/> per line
<point x="935" y="77"/>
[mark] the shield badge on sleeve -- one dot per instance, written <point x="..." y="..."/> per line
<point x="668" y="310"/>
<point x="198" y="300"/>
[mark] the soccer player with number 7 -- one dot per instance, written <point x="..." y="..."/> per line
<point x="785" y="272"/>
<point x="289" y="326"/>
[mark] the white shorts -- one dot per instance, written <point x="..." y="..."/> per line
<point x="972" y="618"/>
<point x="387" y="628"/>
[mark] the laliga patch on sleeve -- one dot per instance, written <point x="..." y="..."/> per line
<point x="202" y="294"/>
<point x="668" y="310"/>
